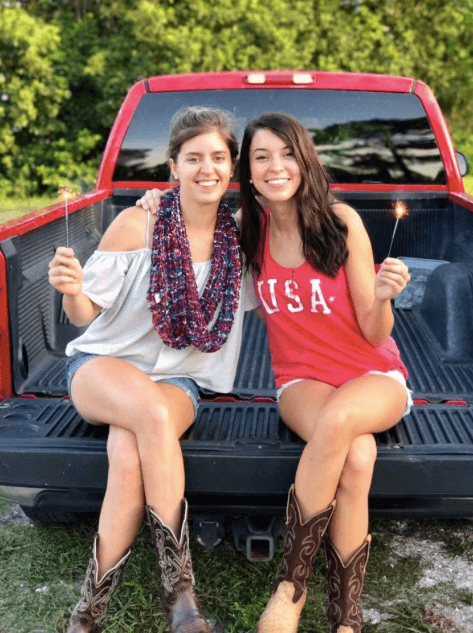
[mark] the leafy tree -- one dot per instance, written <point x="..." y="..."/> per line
<point x="352" y="37"/>
<point x="226" y="34"/>
<point x="197" y="35"/>
<point x="435" y="44"/>
<point x="66" y="65"/>
<point x="36" y="151"/>
<point x="98" y="57"/>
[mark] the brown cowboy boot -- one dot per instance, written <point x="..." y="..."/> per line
<point x="345" y="585"/>
<point x="174" y="564"/>
<point x="301" y="544"/>
<point x="90" y="612"/>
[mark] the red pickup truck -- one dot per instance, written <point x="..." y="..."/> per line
<point x="383" y="139"/>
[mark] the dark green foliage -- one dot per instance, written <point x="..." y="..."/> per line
<point x="65" y="66"/>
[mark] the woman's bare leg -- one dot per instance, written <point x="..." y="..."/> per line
<point x="369" y="404"/>
<point x="349" y="525"/>
<point x="111" y="391"/>
<point x="339" y="453"/>
<point x="124" y="503"/>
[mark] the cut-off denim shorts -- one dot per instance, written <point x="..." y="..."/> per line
<point x="393" y="373"/>
<point x="188" y="385"/>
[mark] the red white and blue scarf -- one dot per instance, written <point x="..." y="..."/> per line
<point x="179" y="316"/>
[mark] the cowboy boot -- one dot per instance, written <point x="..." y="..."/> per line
<point x="301" y="545"/>
<point x="174" y="564"/>
<point x="345" y="585"/>
<point x="90" y="612"/>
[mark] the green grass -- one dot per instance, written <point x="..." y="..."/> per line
<point x="452" y="534"/>
<point x="3" y="505"/>
<point x="11" y="208"/>
<point x="232" y="590"/>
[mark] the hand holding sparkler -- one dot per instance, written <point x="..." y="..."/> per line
<point x="65" y="271"/>
<point x="65" y="194"/>
<point x="393" y="275"/>
<point x="400" y="211"/>
<point x="391" y="279"/>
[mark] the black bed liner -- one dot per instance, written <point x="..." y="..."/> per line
<point x="424" y="466"/>
<point x="39" y="335"/>
<point x="430" y="377"/>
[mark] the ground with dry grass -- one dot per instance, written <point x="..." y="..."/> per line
<point x="420" y="580"/>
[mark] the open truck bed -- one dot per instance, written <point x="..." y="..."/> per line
<point x="240" y="457"/>
<point x="382" y="139"/>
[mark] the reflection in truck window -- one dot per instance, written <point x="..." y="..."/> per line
<point x="362" y="137"/>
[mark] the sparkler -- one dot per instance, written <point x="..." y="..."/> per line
<point x="65" y="194"/>
<point x="400" y="211"/>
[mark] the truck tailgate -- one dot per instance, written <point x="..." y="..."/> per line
<point x="241" y="455"/>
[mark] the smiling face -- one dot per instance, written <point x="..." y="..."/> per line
<point x="203" y="169"/>
<point x="274" y="169"/>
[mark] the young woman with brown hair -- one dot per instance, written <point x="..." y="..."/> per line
<point x="338" y="372"/>
<point x="165" y="300"/>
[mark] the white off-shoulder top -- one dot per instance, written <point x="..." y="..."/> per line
<point x="118" y="282"/>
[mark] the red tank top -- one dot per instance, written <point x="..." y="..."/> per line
<point x="312" y="326"/>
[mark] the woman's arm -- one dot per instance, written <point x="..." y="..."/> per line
<point x="125" y="233"/>
<point x="65" y="275"/>
<point x="150" y="201"/>
<point x="371" y="293"/>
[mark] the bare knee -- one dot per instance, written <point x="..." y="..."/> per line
<point x="358" y="470"/>
<point x="332" y="433"/>
<point x="157" y="420"/>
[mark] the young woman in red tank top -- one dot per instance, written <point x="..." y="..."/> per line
<point x="338" y="372"/>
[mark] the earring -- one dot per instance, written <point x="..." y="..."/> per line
<point x="251" y="182"/>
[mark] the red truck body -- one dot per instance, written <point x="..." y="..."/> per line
<point x="237" y="80"/>
<point x="437" y="436"/>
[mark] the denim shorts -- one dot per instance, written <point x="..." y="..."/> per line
<point x="188" y="385"/>
<point x="393" y="373"/>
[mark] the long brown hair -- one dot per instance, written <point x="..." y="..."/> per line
<point x="323" y="233"/>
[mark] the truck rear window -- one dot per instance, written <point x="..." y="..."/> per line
<point x="362" y="137"/>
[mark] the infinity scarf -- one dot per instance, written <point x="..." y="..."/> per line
<point x="179" y="316"/>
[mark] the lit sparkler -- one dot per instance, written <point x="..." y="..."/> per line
<point x="400" y="211"/>
<point x="65" y="194"/>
